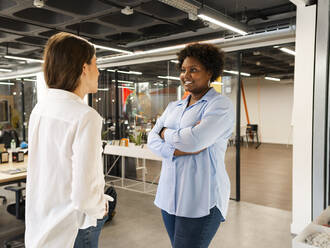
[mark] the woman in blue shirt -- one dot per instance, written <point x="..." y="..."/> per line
<point x="191" y="137"/>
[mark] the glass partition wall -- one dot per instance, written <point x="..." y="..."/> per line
<point x="144" y="91"/>
<point x="17" y="99"/>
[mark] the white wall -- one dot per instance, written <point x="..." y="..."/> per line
<point x="303" y="119"/>
<point x="269" y="105"/>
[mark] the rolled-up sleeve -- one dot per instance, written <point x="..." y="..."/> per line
<point x="217" y="121"/>
<point x="155" y="143"/>
<point x="87" y="172"/>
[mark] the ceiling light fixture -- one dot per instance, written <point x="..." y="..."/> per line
<point x="273" y="79"/>
<point x="23" y="58"/>
<point x="18" y="76"/>
<point x="5" y="70"/>
<point x="112" y="49"/>
<point x="123" y="81"/>
<point x="221" y="20"/>
<point x="236" y="73"/>
<point x="169" y="77"/>
<point x="126" y="87"/>
<point x="39" y="3"/>
<point x="126" y="72"/>
<point x="103" y="89"/>
<point x="287" y="50"/>
<point x="162" y="49"/>
<point x="29" y="80"/>
<point x="5" y="83"/>
<point x="156" y="50"/>
<point x="174" y="61"/>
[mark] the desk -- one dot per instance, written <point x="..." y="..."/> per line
<point x="133" y="152"/>
<point x="6" y="178"/>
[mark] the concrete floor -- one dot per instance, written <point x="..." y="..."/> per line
<point x="138" y="224"/>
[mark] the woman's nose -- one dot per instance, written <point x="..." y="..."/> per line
<point x="186" y="75"/>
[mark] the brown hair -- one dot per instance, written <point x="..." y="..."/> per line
<point x="64" y="56"/>
<point x="208" y="55"/>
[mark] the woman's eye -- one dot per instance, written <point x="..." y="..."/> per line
<point x="193" y="69"/>
<point x="183" y="70"/>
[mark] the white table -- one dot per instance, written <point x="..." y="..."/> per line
<point x="6" y="178"/>
<point x="133" y="152"/>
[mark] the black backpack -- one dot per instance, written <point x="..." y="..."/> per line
<point x="112" y="205"/>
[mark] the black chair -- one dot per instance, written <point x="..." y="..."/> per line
<point x="252" y="133"/>
<point x="18" y="210"/>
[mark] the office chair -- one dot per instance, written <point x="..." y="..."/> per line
<point x="18" y="210"/>
<point x="252" y="132"/>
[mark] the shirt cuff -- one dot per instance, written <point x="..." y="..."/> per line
<point x="168" y="151"/>
<point x="168" y="136"/>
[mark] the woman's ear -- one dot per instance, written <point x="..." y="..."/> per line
<point x="210" y="74"/>
<point x="84" y="69"/>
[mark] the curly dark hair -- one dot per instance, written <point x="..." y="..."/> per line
<point x="208" y="55"/>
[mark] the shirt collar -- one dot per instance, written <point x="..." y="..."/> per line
<point x="207" y="97"/>
<point x="63" y="94"/>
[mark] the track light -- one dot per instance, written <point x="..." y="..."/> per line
<point x="273" y="79"/>
<point x="5" y="70"/>
<point x="112" y="49"/>
<point x="221" y="20"/>
<point x="39" y="3"/>
<point x="236" y="73"/>
<point x="126" y="72"/>
<point x="169" y="77"/>
<point x="5" y="83"/>
<point x="287" y="50"/>
<point x="23" y="58"/>
<point x="123" y="81"/>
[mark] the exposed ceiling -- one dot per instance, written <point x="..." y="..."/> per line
<point x="24" y="29"/>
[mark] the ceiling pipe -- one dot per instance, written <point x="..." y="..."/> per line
<point x="228" y="45"/>
<point x="236" y="43"/>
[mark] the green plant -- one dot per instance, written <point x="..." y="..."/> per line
<point x="137" y="140"/>
<point x="104" y="134"/>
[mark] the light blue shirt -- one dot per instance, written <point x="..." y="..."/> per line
<point x="190" y="185"/>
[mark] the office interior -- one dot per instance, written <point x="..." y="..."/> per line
<point x="276" y="74"/>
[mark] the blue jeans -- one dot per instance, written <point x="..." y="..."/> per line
<point x="192" y="232"/>
<point x="89" y="237"/>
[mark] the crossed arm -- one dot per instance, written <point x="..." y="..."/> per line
<point x="177" y="152"/>
<point x="217" y="122"/>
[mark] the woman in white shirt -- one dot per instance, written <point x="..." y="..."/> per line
<point x="65" y="181"/>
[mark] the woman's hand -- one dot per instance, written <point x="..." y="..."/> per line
<point x="162" y="132"/>
<point x="106" y="209"/>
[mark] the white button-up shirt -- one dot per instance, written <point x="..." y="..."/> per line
<point x="65" y="180"/>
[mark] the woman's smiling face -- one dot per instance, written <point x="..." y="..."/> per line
<point x="194" y="76"/>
